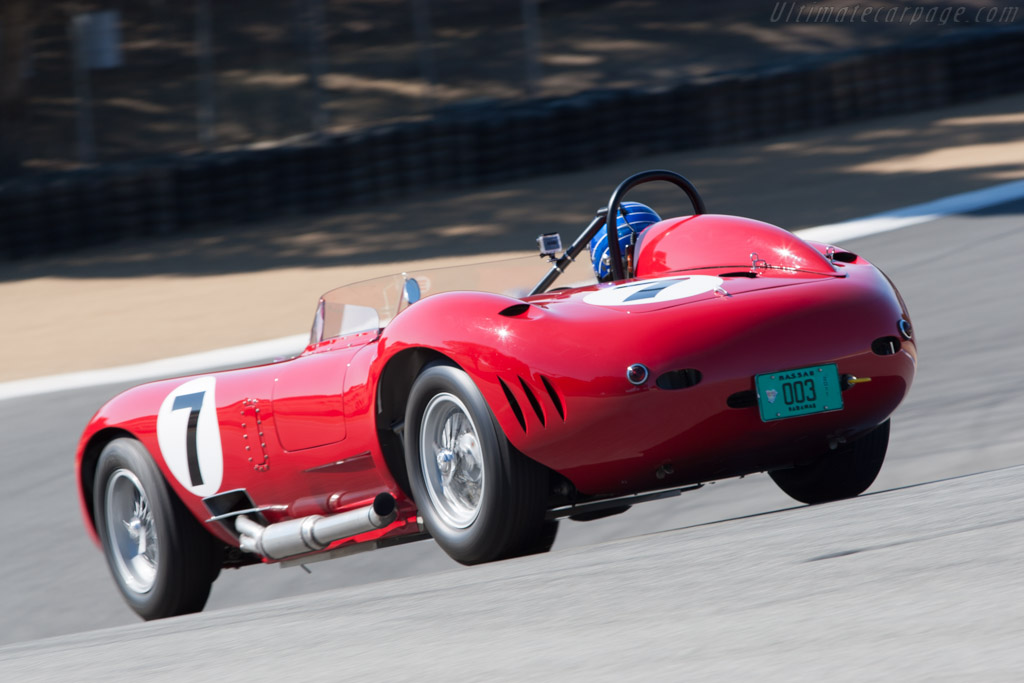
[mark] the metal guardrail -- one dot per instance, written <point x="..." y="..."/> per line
<point x="475" y="146"/>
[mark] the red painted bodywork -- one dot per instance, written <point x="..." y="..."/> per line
<point x="563" y="361"/>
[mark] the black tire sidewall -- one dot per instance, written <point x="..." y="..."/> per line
<point x="481" y="540"/>
<point x="838" y="476"/>
<point x="187" y="563"/>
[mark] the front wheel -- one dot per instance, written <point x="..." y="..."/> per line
<point x="162" y="560"/>
<point x="834" y="476"/>
<point x="480" y="499"/>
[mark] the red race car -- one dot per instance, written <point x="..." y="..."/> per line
<point x="461" y="405"/>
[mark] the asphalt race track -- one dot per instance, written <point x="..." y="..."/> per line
<point x="920" y="579"/>
<point x="913" y="584"/>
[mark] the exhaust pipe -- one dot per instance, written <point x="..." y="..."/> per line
<point x="308" y="534"/>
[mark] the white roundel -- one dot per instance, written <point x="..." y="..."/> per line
<point x="189" y="436"/>
<point x="656" y="291"/>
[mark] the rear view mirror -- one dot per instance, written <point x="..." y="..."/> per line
<point x="411" y="291"/>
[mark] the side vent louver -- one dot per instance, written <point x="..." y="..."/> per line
<point x="554" y="397"/>
<point x="514" y="404"/>
<point x="534" y="403"/>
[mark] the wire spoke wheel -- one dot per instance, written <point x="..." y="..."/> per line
<point x="130" y="526"/>
<point x="452" y="460"/>
<point x="480" y="499"/>
<point x="161" y="558"/>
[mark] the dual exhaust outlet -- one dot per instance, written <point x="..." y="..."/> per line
<point x="316" y="532"/>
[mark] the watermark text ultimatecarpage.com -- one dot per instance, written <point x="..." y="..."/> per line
<point x="820" y="13"/>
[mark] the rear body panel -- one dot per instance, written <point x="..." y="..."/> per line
<point x="612" y="437"/>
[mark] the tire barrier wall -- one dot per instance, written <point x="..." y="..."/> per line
<point x="478" y="145"/>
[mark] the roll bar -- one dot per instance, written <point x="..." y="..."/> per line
<point x="601" y="220"/>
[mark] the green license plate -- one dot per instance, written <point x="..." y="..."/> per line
<point x="805" y="391"/>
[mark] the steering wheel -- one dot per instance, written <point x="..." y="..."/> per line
<point x="620" y="192"/>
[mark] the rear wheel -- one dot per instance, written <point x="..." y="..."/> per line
<point x="480" y="499"/>
<point x="834" y="476"/>
<point x="162" y="560"/>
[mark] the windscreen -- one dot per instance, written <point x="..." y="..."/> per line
<point x="371" y="304"/>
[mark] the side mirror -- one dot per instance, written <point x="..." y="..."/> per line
<point x="411" y="291"/>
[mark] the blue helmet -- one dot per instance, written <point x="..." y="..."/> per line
<point x="633" y="219"/>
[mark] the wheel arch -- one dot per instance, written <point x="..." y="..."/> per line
<point x="393" y="391"/>
<point x="87" y="468"/>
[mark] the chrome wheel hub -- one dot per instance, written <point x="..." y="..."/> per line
<point x="445" y="463"/>
<point x="452" y="460"/>
<point x="131" y="531"/>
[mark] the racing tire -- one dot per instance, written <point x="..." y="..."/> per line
<point x="480" y="499"/>
<point x="834" y="476"/>
<point x="542" y="542"/>
<point x="162" y="560"/>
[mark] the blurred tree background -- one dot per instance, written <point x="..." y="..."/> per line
<point x="182" y="76"/>
<point x="18" y="19"/>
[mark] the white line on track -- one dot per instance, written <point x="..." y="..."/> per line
<point x="896" y="219"/>
<point x="168" y="367"/>
<point x="289" y="346"/>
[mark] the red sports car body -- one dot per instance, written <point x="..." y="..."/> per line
<point x="726" y="346"/>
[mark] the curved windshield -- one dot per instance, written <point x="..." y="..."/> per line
<point x="371" y="304"/>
